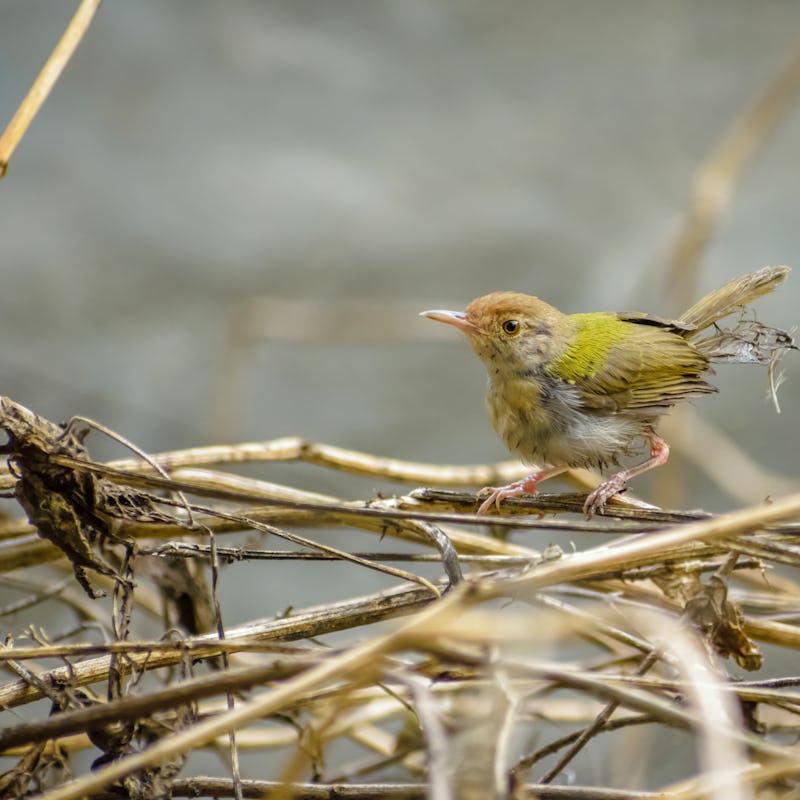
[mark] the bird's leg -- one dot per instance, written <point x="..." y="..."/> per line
<point x="659" y="453"/>
<point x="525" y="486"/>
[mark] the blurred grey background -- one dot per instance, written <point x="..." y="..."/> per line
<point x="197" y="155"/>
<point x="197" y="158"/>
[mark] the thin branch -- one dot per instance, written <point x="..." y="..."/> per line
<point x="45" y="81"/>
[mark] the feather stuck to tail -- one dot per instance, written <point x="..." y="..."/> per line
<point x="748" y="341"/>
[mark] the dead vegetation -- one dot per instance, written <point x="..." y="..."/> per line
<point x="456" y="697"/>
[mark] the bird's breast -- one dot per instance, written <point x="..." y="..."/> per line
<point x="541" y="420"/>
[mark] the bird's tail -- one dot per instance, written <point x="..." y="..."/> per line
<point x="733" y="295"/>
<point x="748" y="341"/>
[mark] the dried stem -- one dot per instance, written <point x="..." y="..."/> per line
<point x="46" y="80"/>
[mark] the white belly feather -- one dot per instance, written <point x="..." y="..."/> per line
<point x="544" y="424"/>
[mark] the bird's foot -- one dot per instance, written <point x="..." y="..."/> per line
<point x="498" y="494"/>
<point x="527" y="485"/>
<point x="603" y="493"/>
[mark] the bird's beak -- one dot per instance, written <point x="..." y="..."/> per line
<point x="455" y="318"/>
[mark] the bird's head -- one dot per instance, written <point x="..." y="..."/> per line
<point x="511" y="333"/>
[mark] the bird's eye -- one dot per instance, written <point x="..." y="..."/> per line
<point x="511" y="327"/>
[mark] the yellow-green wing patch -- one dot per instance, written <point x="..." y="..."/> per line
<point x="629" y="363"/>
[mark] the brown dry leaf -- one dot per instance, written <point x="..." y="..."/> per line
<point x="721" y="620"/>
<point x="679" y="582"/>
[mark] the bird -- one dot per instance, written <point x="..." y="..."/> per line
<point x="588" y="389"/>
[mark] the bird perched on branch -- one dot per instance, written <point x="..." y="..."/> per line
<point x="585" y="390"/>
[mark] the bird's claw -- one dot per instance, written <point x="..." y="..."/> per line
<point x="498" y="494"/>
<point x="495" y="497"/>
<point x="603" y="493"/>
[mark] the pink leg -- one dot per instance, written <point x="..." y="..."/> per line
<point x="659" y="453"/>
<point x="525" y="486"/>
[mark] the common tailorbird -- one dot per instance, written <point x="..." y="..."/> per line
<point x="585" y="390"/>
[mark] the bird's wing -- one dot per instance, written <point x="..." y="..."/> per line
<point x="620" y="362"/>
